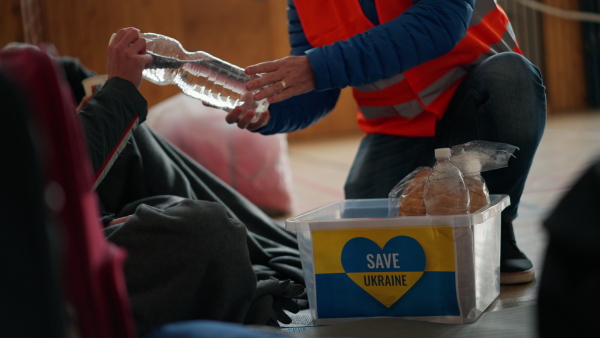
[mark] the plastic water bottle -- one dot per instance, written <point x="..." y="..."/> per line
<point x="215" y="82"/>
<point x="445" y="189"/>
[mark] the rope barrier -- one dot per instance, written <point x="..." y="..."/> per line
<point x="561" y="13"/>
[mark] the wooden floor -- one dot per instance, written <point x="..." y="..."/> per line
<point x="570" y="143"/>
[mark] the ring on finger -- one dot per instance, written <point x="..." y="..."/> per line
<point x="283" y="84"/>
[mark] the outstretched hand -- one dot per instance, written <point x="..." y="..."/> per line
<point x="126" y="56"/>
<point x="281" y="79"/>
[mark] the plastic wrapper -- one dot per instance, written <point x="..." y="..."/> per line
<point x="472" y="158"/>
<point x="475" y="157"/>
<point x="481" y="156"/>
<point x="445" y="191"/>
<point x="255" y="165"/>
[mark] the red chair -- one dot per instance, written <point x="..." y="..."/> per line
<point x="53" y="249"/>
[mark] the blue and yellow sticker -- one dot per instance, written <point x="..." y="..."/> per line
<point x="398" y="272"/>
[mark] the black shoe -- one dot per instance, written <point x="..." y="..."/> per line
<point x="515" y="267"/>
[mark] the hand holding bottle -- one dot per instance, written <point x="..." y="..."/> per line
<point x="247" y="119"/>
<point x="215" y="82"/>
<point x="126" y="56"/>
<point x="281" y="79"/>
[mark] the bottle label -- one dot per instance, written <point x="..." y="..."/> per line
<point x="398" y="272"/>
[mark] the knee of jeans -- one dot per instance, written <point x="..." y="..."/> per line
<point x="510" y="67"/>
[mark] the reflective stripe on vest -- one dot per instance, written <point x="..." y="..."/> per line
<point x="428" y="94"/>
<point x="426" y="88"/>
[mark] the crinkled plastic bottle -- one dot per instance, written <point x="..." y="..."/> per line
<point x="445" y="191"/>
<point x="215" y="82"/>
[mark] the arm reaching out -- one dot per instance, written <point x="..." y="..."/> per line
<point x="281" y="80"/>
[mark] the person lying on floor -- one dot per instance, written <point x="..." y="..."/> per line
<point x="197" y="249"/>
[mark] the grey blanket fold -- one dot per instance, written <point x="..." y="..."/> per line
<point x="187" y="256"/>
<point x="185" y="262"/>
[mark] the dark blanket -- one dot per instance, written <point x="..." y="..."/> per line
<point x="190" y="259"/>
<point x="185" y="245"/>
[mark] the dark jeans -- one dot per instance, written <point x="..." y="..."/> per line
<point x="501" y="100"/>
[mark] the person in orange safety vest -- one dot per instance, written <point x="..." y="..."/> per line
<point x="425" y="74"/>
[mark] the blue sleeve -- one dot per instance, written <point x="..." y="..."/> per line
<point x="425" y="31"/>
<point x="300" y="111"/>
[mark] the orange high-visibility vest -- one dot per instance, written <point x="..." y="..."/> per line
<point x="410" y="103"/>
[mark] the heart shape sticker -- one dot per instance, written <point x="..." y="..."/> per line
<point x="385" y="273"/>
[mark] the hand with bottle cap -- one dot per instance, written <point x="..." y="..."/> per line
<point x="126" y="56"/>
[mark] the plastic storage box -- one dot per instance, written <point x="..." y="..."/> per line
<point x="359" y="263"/>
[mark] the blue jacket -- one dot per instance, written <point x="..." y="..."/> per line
<point x="425" y="31"/>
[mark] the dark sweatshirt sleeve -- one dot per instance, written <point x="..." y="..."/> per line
<point x="109" y="120"/>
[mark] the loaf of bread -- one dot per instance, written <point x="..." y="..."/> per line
<point x="478" y="193"/>
<point x="412" y="203"/>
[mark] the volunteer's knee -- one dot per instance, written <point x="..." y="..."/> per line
<point x="513" y="73"/>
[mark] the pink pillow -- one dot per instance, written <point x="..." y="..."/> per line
<point x="255" y="165"/>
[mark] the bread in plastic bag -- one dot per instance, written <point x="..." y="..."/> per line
<point x="406" y="199"/>
<point x="472" y="158"/>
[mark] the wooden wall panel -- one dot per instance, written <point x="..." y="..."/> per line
<point x="241" y="32"/>
<point x="564" y="60"/>
<point x="11" y="25"/>
<point x="198" y="25"/>
<point x="83" y="29"/>
<point x="247" y="32"/>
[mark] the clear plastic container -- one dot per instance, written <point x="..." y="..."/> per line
<point x="460" y="279"/>
<point x="445" y="191"/>
<point x="215" y="82"/>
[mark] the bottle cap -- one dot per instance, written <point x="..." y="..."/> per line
<point x="442" y="152"/>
